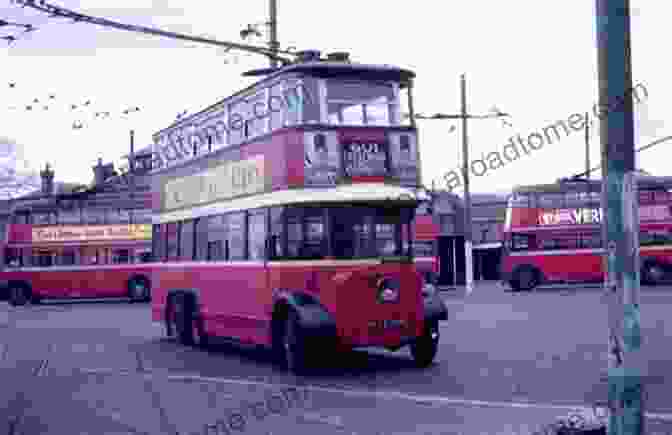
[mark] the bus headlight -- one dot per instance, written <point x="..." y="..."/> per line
<point x="388" y="290"/>
<point x="428" y="290"/>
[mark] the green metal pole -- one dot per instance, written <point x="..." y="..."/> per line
<point x="621" y="223"/>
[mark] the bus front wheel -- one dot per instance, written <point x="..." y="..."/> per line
<point x="293" y="348"/>
<point x="424" y="349"/>
<point x="525" y="279"/>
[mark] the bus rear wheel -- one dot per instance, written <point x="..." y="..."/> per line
<point x="293" y="347"/>
<point x="653" y="274"/>
<point x="138" y="290"/>
<point x="424" y="349"/>
<point x="179" y="319"/>
<point x="19" y="295"/>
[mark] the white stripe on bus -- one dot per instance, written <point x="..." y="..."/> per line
<point x="358" y="192"/>
<point x="209" y="264"/>
<point x="581" y="251"/>
<point x="79" y="268"/>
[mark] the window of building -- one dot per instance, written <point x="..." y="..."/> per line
<point x="256" y="235"/>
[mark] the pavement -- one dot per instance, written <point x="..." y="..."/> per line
<point x="119" y="376"/>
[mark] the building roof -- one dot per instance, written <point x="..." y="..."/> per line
<point x="60" y="188"/>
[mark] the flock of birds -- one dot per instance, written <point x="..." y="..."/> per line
<point x="50" y="101"/>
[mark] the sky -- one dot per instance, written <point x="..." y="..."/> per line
<point x="532" y="60"/>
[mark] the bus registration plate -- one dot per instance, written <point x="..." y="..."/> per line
<point x="385" y="325"/>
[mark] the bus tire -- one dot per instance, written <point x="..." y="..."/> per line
<point x="425" y="347"/>
<point x="184" y="319"/>
<point x="138" y="289"/>
<point x="653" y="273"/>
<point x="525" y="278"/>
<point x="293" y="346"/>
<point x="19" y="294"/>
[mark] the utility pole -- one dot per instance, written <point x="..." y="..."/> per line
<point x="464" y="116"/>
<point x="587" y="138"/>
<point x="621" y="223"/>
<point x="131" y="172"/>
<point x="468" y="252"/>
<point x="273" y="32"/>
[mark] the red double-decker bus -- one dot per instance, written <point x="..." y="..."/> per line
<point x="553" y="233"/>
<point x="294" y="231"/>
<point x="76" y="261"/>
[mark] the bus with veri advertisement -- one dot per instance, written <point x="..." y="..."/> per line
<point x="295" y="231"/>
<point x="553" y="233"/>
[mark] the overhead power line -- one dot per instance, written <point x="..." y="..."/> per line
<point x="642" y="148"/>
<point x="59" y="12"/>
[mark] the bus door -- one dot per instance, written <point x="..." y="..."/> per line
<point x="451" y="260"/>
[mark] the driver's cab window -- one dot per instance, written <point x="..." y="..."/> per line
<point x="522" y="242"/>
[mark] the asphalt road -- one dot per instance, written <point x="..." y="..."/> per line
<point x="508" y="363"/>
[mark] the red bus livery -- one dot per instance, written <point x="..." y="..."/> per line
<point x="553" y="233"/>
<point x="296" y="233"/>
<point x="76" y="261"/>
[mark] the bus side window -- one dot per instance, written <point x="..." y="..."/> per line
<point x="521" y="242"/>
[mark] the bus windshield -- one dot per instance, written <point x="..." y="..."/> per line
<point x="340" y="232"/>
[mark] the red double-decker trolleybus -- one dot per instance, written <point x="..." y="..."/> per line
<point x="292" y="227"/>
<point x="553" y="233"/>
<point x="76" y="261"/>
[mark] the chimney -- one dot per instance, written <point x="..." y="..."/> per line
<point x="99" y="173"/>
<point x="47" y="176"/>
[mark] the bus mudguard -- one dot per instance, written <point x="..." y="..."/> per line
<point x="314" y="318"/>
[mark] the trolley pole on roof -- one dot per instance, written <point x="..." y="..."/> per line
<point x="621" y="218"/>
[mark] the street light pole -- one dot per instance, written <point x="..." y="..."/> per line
<point x="468" y="253"/>
<point x="621" y="223"/>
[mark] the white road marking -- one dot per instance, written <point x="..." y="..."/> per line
<point x="419" y="398"/>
